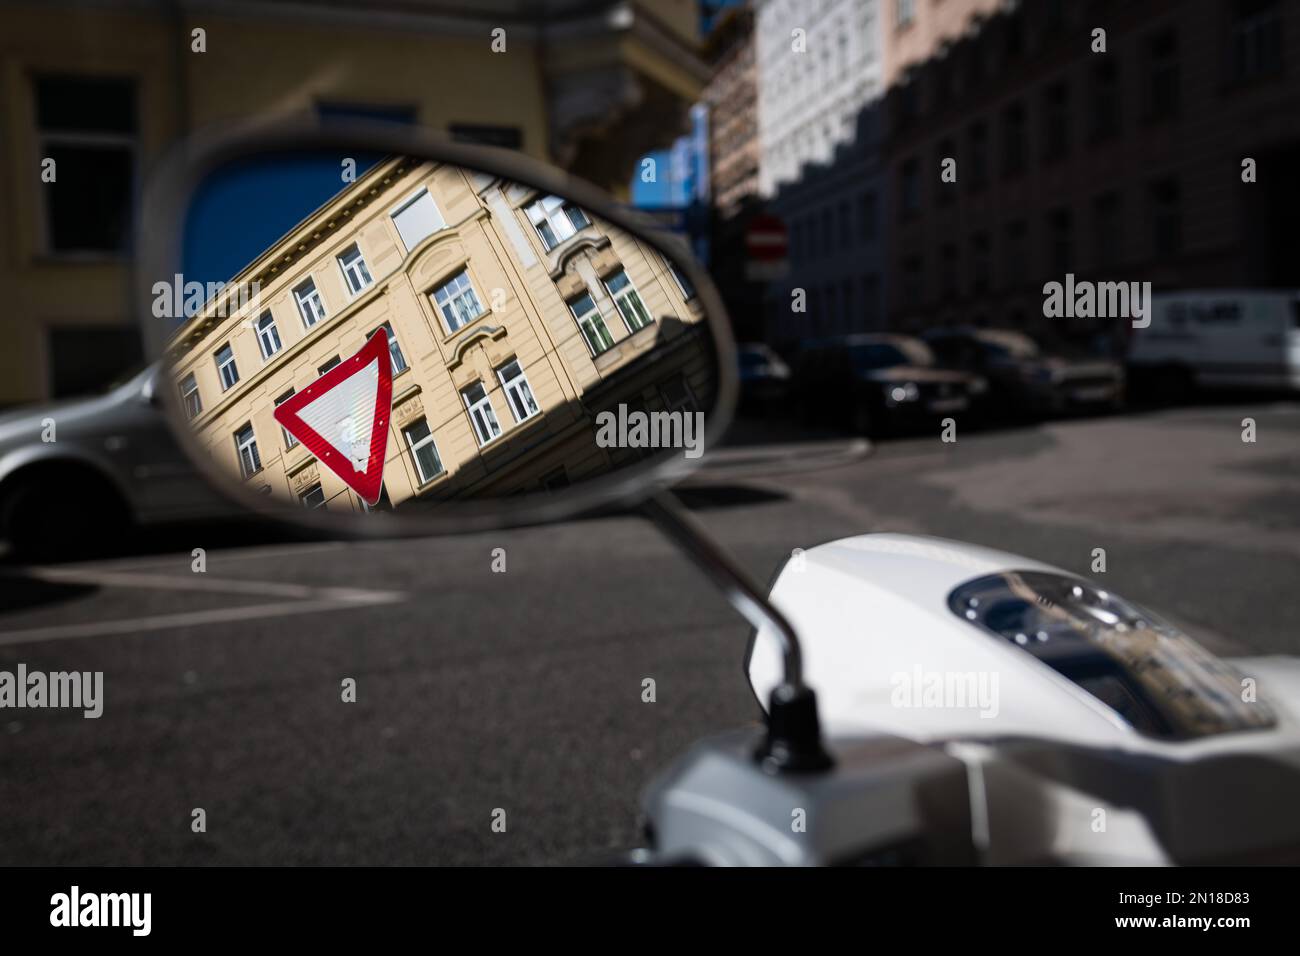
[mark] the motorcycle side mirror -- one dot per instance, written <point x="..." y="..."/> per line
<point x="376" y="318"/>
<point x="359" y="319"/>
<point x="149" y="389"/>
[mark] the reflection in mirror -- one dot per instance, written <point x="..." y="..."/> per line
<point x="424" y="333"/>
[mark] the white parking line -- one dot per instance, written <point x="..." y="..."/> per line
<point x="171" y="582"/>
<point x="227" y="554"/>
<point x="295" y="599"/>
<point x="763" y="461"/>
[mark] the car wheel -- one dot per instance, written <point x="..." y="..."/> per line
<point x="51" y="516"/>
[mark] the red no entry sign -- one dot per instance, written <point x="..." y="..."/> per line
<point x="766" y="239"/>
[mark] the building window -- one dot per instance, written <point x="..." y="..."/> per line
<point x="1014" y="135"/>
<point x="913" y="278"/>
<point x="190" y="399"/>
<point x="83" y="357"/>
<point x="828" y="236"/>
<point x="457" y="301"/>
<point x="1060" y="239"/>
<point x="417" y="219"/>
<point x="87" y="126"/>
<point x="556" y="220"/>
<point x="1015" y="265"/>
<point x="226" y="369"/>
<point x="394" y="349"/>
<point x="978" y="135"/>
<point x="268" y="336"/>
<point x="1108" y="235"/>
<point x="867" y="218"/>
<point x="313" y="497"/>
<point x="944" y="192"/>
<point x="481" y="414"/>
<point x="846" y="227"/>
<point x="424" y="452"/>
<point x="1162" y="97"/>
<point x="1014" y="35"/>
<point x="519" y="396"/>
<point x="904" y="12"/>
<point x="910" y="188"/>
<point x="628" y="300"/>
<point x="591" y="323"/>
<point x="289" y="440"/>
<point x="250" y="462"/>
<point x="979" y="263"/>
<point x="1256" y="39"/>
<point x="328" y="365"/>
<point x="1056" y="121"/>
<point x="1105" y="100"/>
<point x="1054" y="14"/>
<point x="867" y="28"/>
<point x="1166" y="217"/>
<point x="871" y="299"/>
<point x="310" y="306"/>
<point x="948" y="270"/>
<point x="354" y="269"/>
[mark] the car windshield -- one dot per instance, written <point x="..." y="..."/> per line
<point x="753" y="358"/>
<point x="1008" y="344"/>
<point x="887" y="354"/>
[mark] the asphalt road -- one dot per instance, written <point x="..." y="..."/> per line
<point x="522" y="690"/>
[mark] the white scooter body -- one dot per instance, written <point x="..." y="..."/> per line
<point x="872" y="613"/>
<point x="1028" y="766"/>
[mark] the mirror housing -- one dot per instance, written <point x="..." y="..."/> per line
<point x="149" y="388"/>
<point x="162" y="244"/>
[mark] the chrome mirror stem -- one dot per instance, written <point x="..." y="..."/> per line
<point x="793" y="741"/>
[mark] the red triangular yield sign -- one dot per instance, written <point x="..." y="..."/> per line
<point x="342" y="417"/>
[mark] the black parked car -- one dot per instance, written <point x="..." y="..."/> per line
<point x="764" y="377"/>
<point x="1026" y="378"/>
<point x="878" y="384"/>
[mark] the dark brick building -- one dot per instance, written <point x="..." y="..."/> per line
<point x="1122" y="165"/>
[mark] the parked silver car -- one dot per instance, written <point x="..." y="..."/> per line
<point x="75" y="474"/>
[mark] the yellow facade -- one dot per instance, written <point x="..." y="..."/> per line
<point x="436" y="63"/>
<point x="522" y="311"/>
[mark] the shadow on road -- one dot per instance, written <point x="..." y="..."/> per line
<point x="182" y="538"/>
<point x="707" y="497"/>
<point x="19" y="591"/>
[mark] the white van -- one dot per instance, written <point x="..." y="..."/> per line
<point x="1226" y="338"/>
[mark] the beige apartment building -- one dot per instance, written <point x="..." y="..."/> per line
<point x="514" y="319"/>
<point x="105" y="88"/>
